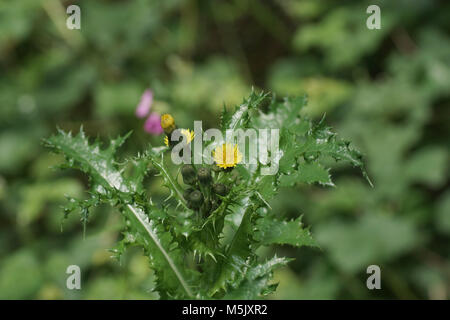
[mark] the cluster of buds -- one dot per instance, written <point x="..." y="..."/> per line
<point x="202" y="193"/>
<point x="206" y="184"/>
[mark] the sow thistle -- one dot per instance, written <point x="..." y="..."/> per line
<point x="202" y="240"/>
<point x="227" y="155"/>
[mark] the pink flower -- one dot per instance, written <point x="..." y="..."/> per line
<point x="153" y="124"/>
<point x="145" y="104"/>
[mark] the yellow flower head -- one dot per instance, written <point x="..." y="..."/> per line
<point x="185" y="132"/>
<point x="227" y="155"/>
<point x="167" y="123"/>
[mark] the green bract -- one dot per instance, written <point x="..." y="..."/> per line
<point x="220" y="189"/>
<point x="188" y="173"/>
<point x="184" y="241"/>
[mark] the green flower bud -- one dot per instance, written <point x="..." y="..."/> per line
<point x="196" y="198"/>
<point x="188" y="173"/>
<point x="220" y="189"/>
<point x="187" y="170"/>
<point x="204" y="175"/>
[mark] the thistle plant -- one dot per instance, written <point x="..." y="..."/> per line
<point x="202" y="240"/>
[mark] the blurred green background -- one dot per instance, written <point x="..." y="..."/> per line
<point x="386" y="90"/>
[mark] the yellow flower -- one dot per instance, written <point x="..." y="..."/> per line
<point x="185" y="132"/>
<point x="167" y="123"/>
<point x="227" y="155"/>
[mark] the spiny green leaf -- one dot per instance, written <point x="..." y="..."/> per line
<point x="271" y="231"/>
<point x="257" y="279"/>
<point x="165" y="257"/>
<point x="307" y="172"/>
<point x="230" y="270"/>
<point x="119" y="249"/>
<point x="101" y="167"/>
<point x="241" y="117"/>
<point x="321" y="141"/>
<point x="282" y="114"/>
<point x="89" y="158"/>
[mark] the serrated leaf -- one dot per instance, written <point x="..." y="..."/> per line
<point x="271" y="231"/>
<point x="321" y="141"/>
<point x="267" y="187"/>
<point x="307" y="172"/>
<point x="282" y="114"/>
<point x="231" y="269"/>
<point x="165" y="257"/>
<point x="257" y="279"/>
<point x="241" y="116"/>
<point x="89" y="158"/>
<point x="101" y="167"/>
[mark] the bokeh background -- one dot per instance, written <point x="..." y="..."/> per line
<point x="386" y="90"/>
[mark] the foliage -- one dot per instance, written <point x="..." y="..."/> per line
<point x="171" y="237"/>
<point x="385" y="90"/>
